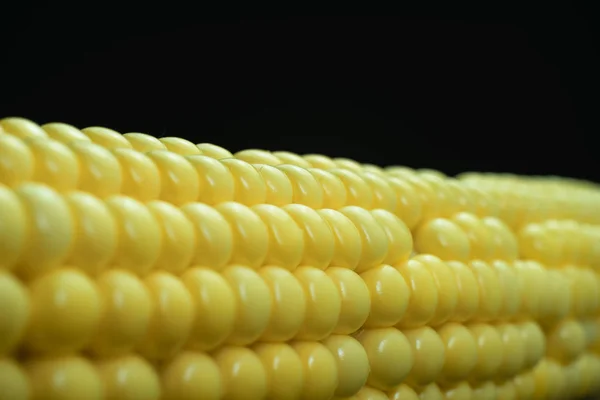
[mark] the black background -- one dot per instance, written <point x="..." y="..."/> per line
<point x="495" y="92"/>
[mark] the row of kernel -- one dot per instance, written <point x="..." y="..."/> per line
<point x="180" y="179"/>
<point x="584" y="299"/>
<point x="238" y="306"/>
<point x="439" y="195"/>
<point x="424" y="179"/>
<point x="196" y="375"/>
<point x="547" y="381"/>
<point x="559" y="242"/>
<point x="241" y="305"/>
<point x="419" y="197"/>
<point x="43" y="229"/>
<point x="465" y="237"/>
<point x="306" y="187"/>
<point x="454" y="291"/>
<point x="453" y="353"/>
<point x="524" y="200"/>
<point x="119" y="312"/>
<point x="159" y="315"/>
<point x="311" y="186"/>
<point x="423" y="291"/>
<point x="299" y="370"/>
<point x="339" y="366"/>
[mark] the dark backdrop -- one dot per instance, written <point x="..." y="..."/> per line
<point x="455" y="92"/>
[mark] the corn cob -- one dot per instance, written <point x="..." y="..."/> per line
<point x="140" y="268"/>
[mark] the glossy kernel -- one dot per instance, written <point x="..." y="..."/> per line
<point x="389" y="296"/>
<point x="348" y="164"/>
<point x="444" y="239"/>
<point x="65" y="312"/>
<point x="50" y="230"/>
<point x="320" y="161"/>
<point x="334" y="191"/>
<point x="423" y="295"/>
<point x="16" y="308"/>
<point x="253" y="304"/>
<point x="320" y="371"/>
<point x="129" y="378"/>
<point x="126" y="312"/>
<point x="478" y="234"/>
<point x="283" y="368"/>
<point x="100" y="171"/>
<point x="64" y="378"/>
<point x="106" y="137"/>
<point x="399" y="237"/>
<point x="289" y="304"/>
<point x="255" y="156"/>
<point x="446" y="286"/>
<point x="490" y="290"/>
<point x="408" y="203"/>
<point x="141" y="177"/>
<point x="513" y="358"/>
<point x="387" y="347"/>
<point x="55" y="164"/>
<point x="509" y="284"/>
<point x="214" y="151"/>
<point x="358" y="191"/>
<point x="214" y="308"/>
<point x="143" y="143"/>
<point x="348" y="241"/>
<point x="287" y="157"/>
<point x="242" y="373"/>
<point x="319" y="244"/>
<point x="279" y="187"/>
<point x="460" y="349"/>
<point x="489" y="351"/>
<point x="190" y="376"/>
<point x="352" y="364"/>
<point x="403" y="392"/>
<point x="139" y="235"/>
<point x="534" y="343"/>
<point x="179" y="179"/>
<point x="178" y="237"/>
<point x="95" y="239"/>
<point x="384" y="196"/>
<point x="214" y="236"/>
<point x="323" y="304"/>
<point x="249" y="186"/>
<point x="375" y="244"/>
<point x="355" y="297"/>
<point x="305" y="187"/>
<point x="250" y="235"/>
<point x="180" y="146"/>
<point x="172" y="316"/>
<point x="429" y="355"/>
<point x="22" y="128"/>
<point x="216" y="184"/>
<point x="17" y="163"/>
<point x="504" y="242"/>
<point x="566" y="341"/>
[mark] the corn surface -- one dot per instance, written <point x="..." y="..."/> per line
<point x="140" y="268"/>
